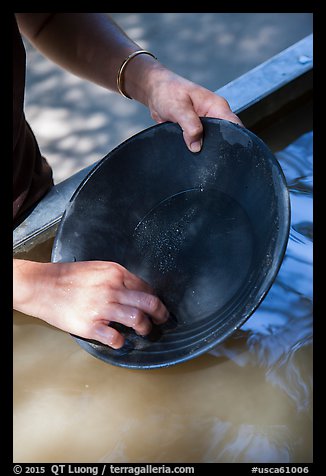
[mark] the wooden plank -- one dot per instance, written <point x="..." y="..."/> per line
<point x="272" y="84"/>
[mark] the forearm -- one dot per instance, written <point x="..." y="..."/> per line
<point x="91" y="46"/>
<point x="28" y="277"/>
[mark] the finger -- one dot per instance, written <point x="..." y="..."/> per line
<point x="192" y="130"/>
<point x="148" y="303"/>
<point x="220" y="108"/>
<point x="133" y="282"/>
<point x="230" y="116"/>
<point x="108" y="336"/>
<point x="131" y="317"/>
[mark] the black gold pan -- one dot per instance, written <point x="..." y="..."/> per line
<point x="207" y="230"/>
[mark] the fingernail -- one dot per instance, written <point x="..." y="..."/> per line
<point x="166" y="316"/>
<point x="195" y="146"/>
<point x="171" y="324"/>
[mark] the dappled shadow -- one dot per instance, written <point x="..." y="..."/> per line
<point x="77" y="123"/>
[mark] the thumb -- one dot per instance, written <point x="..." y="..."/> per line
<point x="192" y="130"/>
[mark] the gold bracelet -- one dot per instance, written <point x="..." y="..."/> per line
<point x="124" y="64"/>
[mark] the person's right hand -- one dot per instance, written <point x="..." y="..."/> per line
<point x="84" y="297"/>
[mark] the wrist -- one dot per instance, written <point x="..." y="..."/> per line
<point x="22" y="289"/>
<point x="120" y="75"/>
<point x="28" y="279"/>
<point x="139" y="75"/>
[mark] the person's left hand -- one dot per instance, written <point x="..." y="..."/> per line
<point x="174" y="98"/>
